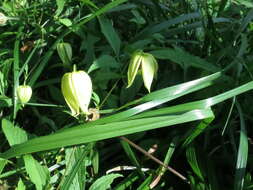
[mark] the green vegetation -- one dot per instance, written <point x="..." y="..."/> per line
<point x="191" y="131"/>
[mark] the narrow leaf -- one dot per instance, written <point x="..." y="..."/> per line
<point x="90" y="133"/>
<point x="192" y="160"/>
<point x="3" y="162"/>
<point x="242" y="154"/>
<point x="110" y="34"/>
<point x="60" y="6"/>
<point x="184" y="58"/>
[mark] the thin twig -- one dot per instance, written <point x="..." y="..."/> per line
<point x="155" y="159"/>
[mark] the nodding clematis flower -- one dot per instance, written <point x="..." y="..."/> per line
<point x="76" y="88"/>
<point x="3" y="19"/>
<point x="24" y="93"/>
<point x="149" y="68"/>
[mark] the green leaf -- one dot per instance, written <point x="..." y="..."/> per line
<point x="65" y="21"/>
<point x="5" y="101"/>
<point x="149" y="30"/>
<point x="60" y="6"/>
<point x="196" y="131"/>
<point x="246" y="3"/>
<point x="145" y="184"/>
<point x="95" y="160"/>
<point x="15" y="72"/>
<point x="3" y="162"/>
<point x="192" y="160"/>
<point x="201" y="104"/>
<point x="138" y="19"/>
<point x="170" y="151"/>
<point x="38" y="174"/>
<point x="110" y="34"/>
<point x="104" y="62"/>
<point x="128" y="181"/>
<point x="14" y="134"/>
<point x="21" y="185"/>
<point x="183" y="58"/>
<point x="104" y="182"/>
<point x="242" y="154"/>
<point x="91" y="132"/>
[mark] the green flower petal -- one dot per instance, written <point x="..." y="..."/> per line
<point x="83" y="89"/>
<point x="149" y="70"/>
<point x="134" y="65"/>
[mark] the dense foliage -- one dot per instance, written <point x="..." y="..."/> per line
<point x="196" y="119"/>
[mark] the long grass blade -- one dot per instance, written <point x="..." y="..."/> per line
<point x="84" y="134"/>
<point x="242" y="154"/>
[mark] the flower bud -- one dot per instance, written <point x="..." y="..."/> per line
<point x="148" y="65"/>
<point x="24" y="93"/>
<point x="3" y="19"/>
<point x="65" y="52"/>
<point x="76" y="88"/>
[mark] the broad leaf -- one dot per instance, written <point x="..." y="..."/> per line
<point x="14" y="134"/>
<point x="38" y="174"/>
<point x="104" y="182"/>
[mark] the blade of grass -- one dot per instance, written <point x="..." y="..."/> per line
<point x="229" y="115"/>
<point x="165" y="24"/>
<point x="145" y="184"/>
<point x="75" y="168"/>
<point x="242" y="154"/>
<point x="131" y="155"/>
<point x="166" y="161"/>
<point x="192" y="160"/>
<point x="16" y="72"/>
<point x="90" y="133"/>
<point x="196" y="131"/>
<point x="200" y="104"/>
<point x="129" y="180"/>
<point x="183" y="58"/>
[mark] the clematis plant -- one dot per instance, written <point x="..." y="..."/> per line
<point x="148" y="65"/>
<point x="76" y="88"/>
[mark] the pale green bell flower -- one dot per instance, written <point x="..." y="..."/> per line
<point x="76" y="88"/>
<point x="3" y="19"/>
<point x="24" y="93"/>
<point x="148" y="65"/>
